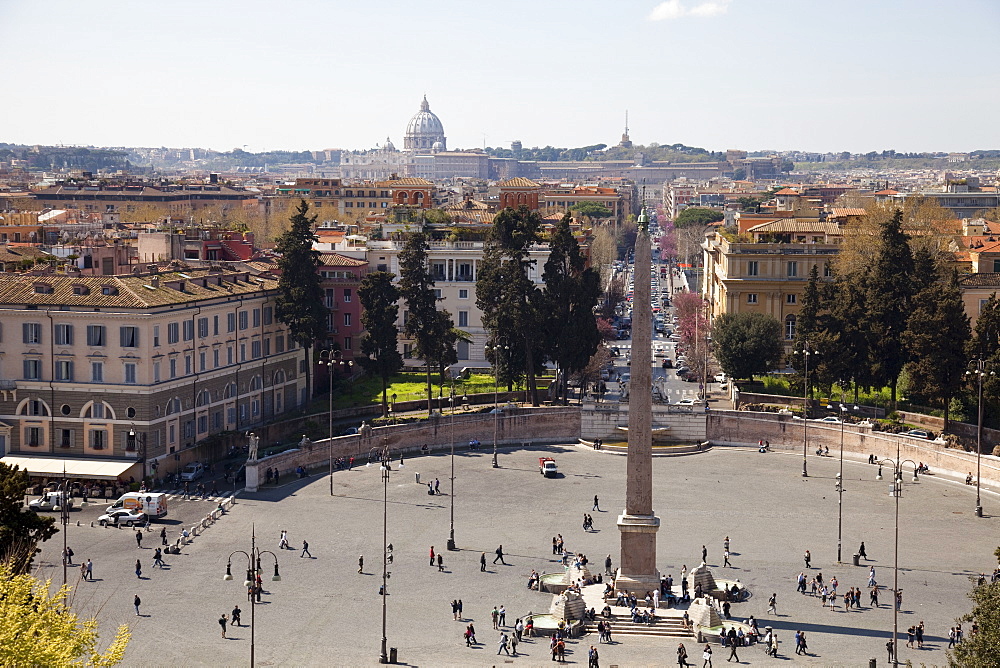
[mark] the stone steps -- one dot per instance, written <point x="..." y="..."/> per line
<point x="665" y="627"/>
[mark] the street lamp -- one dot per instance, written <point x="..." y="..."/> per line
<point x="840" y="481"/>
<point x="805" y="352"/>
<point x="138" y="445"/>
<point x="385" y="468"/>
<point x="897" y="491"/>
<point x="451" y="532"/>
<point x="253" y="572"/>
<point x="979" y="368"/>
<point x="495" y="350"/>
<point x="332" y="361"/>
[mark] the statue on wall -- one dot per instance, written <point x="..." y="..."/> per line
<point x="254" y="441"/>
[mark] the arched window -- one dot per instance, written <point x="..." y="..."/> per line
<point x="33" y="407"/>
<point x="230" y="391"/>
<point x="790" y="327"/>
<point x="204" y="398"/>
<point x="173" y="406"/>
<point x="256" y="383"/>
<point x="279" y="377"/>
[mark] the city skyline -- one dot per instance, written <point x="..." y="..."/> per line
<point x="718" y="74"/>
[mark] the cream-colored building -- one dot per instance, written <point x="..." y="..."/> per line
<point x="173" y="356"/>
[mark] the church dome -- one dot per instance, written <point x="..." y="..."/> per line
<point x="424" y="130"/>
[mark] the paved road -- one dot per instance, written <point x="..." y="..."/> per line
<point x="324" y="613"/>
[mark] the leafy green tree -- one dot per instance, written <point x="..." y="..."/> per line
<point x="379" y="345"/>
<point x="888" y="293"/>
<point x="39" y="628"/>
<point x="591" y="210"/>
<point x="980" y="649"/>
<point x="937" y="337"/>
<point x="20" y="530"/>
<point x="299" y="304"/>
<point x="985" y="346"/>
<point x="697" y="217"/>
<point x="571" y="293"/>
<point x="847" y="340"/>
<point x="508" y="298"/>
<point x="425" y="325"/>
<point x="747" y="344"/>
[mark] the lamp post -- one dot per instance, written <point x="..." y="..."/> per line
<point x="385" y="468"/>
<point x="979" y="368"/>
<point x="332" y="362"/>
<point x="840" y="480"/>
<point x="805" y="352"/>
<point x="708" y="342"/>
<point x="451" y="531"/>
<point x="495" y="350"/>
<point x="253" y="572"/>
<point x="139" y="445"/>
<point x="897" y="490"/>
<point x="64" y="518"/>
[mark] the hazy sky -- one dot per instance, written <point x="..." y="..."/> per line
<point x="856" y="75"/>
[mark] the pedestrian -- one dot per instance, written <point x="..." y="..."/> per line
<point x="725" y="557"/>
<point x="499" y="556"/>
<point x="503" y="644"/>
<point x="236" y="616"/>
<point x="772" y="604"/>
<point x="706" y="657"/>
<point x="69" y="555"/>
<point x="920" y="634"/>
<point x="910" y="632"/>
<point x="163" y="536"/>
<point x="725" y="544"/>
<point x="682" y="655"/>
<point x="514" y="640"/>
<point x="361" y="563"/>
<point x="432" y="555"/>
<point x="873" y="596"/>
<point x="704" y="554"/>
<point x="90" y="570"/>
<point x="807" y="558"/>
<point x="138" y="538"/>
<point x="222" y="623"/>
<point x="889" y="648"/>
<point x="951" y="637"/>
<point x="596" y="506"/>
<point x="555" y="545"/>
<point x="305" y="550"/>
<point x="503" y="616"/>
<point x="802" y="642"/>
<point x="871" y="577"/>
<point x="283" y="541"/>
<point x="138" y="569"/>
<point x="861" y="551"/>
<point x="482" y="562"/>
<point x="732" y="646"/>
<point x="454" y="609"/>
<point x="460" y="608"/>
<point x="495" y="615"/>
<point x="137" y="602"/>
<point x="440" y="562"/>
<point x="158" y="558"/>
<point x="593" y="658"/>
<point x="437" y="486"/>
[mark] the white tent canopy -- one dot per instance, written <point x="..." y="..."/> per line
<point x="91" y="469"/>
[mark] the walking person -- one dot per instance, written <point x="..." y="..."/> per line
<point x="361" y="563"/>
<point x="440" y="562"/>
<point x="137" y="602"/>
<point x="163" y="536"/>
<point x="889" y="648"/>
<point x="138" y="538"/>
<point x="482" y="562"/>
<point x="596" y="506"/>
<point x="236" y="616"/>
<point x="68" y="555"/>
<point x="500" y="556"/>
<point x="90" y="570"/>
<point x="725" y="557"/>
<point x="861" y="551"/>
<point x="138" y="569"/>
<point x="732" y="646"/>
<point x="807" y="558"/>
<point x="158" y="558"/>
<point x="460" y="608"/>
<point x="305" y="550"/>
<point x="682" y="656"/>
<point x="704" y="554"/>
<point x="222" y="623"/>
<point x="593" y="659"/>
<point x="503" y="644"/>
<point x="432" y="555"/>
<point x="502" y="612"/>
<point x="772" y="604"/>
<point x="454" y="609"/>
<point x="706" y="657"/>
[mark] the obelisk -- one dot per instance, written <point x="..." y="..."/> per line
<point x="638" y="524"/>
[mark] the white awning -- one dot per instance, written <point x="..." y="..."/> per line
<point x="91" y="469"/>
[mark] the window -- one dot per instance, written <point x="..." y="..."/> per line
<point x="34" y="436"/>
<point x="753" y="268"/>
<point x="790" y="327"/>
<point x="256" y="317"/>
<point x="66" y="438"/>
<point x="791" y="299"/>
<point x="347" y="320"/>
<point x="267" y="346"/>
<point x="751" y="298"/>
<point x="129" y="337"/>
<point x="189" y="429"/>
<point x="172" y="431"/>
<point x="188" y="330"/>
<point x="215" y="325"/>
<point x="156" y="372"/>
<point x="202" y="360"/>
<point x="173" y="367"/>
<point x="437" y="293"/>
<point x="827" y="270"/>
<point x="32" y="332"/>
<point x="330" y="301"/>
<point x="187" y="365"/>
<point x="463" y="318"/>
<point x="64" y="335"/>
<point x="97" y="372"/>
<point x="64" y="370"/>
<point x="129" y="373"/>
<point x="348" y="343"/>
<point x="97" y="411"/>
<point x="268" y="315"/>
<point x="348" y="295"/>
<point x="202" y="328"/>
<point x="244" y="320"/>
<point x="243" y="352"/>
<point x="279" y="344"/>
<point x="230" y="322"/>
<point x="96" y="335"/>
<point x="173" y="332"/>
<point x="156" y="336"/>
<point x="202" y="424"/>
<point x="793" y="269"/>
<point x="463" y="294"/>
<point x="217" y="420"/>
<point x="231" y="415"/>
<point x="32" y="369"/>
<point x="255" y="349"/>
<point x="229" y="354"/>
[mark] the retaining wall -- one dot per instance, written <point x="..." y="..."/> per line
<point x="601" y="419"/>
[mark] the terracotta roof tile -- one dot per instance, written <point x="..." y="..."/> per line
<point x="338" y="260"/>
<point x="981" y="280"/>
<point x="518" y="182"/>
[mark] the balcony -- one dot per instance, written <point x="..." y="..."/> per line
<point x="332" y="304"/>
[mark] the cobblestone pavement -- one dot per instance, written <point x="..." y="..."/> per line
<point x="323" y="612"/>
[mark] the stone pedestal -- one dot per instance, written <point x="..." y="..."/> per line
<point x="253" y="476"/>
<point x="638" y="571"/>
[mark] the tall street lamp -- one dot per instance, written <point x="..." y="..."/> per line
<point x="331" y="359"/>
<point x="385" y="468"/>
<point x="979" y="368"/>
<point x="495" y="350"/>
<point x="136" y="444"/>
<point x="897" y="491"/>
<point x="253" y="572"/>
<point x="451" y="531"/>
<point x="805" y="352"/>
<point x="840" y="480"/>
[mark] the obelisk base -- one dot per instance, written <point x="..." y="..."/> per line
<point x="638" y="572"/>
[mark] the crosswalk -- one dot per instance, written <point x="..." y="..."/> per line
<point x="175" y="494"/>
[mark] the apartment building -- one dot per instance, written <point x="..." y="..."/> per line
<point x="173" y="357"/>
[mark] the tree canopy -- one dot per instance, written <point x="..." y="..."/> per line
<point x="697" y="217"/>
<point x="38" y="628"/>
<point x="20" y="530"/>
<point x="379" y="345"/>
<point x="980" y="649"/>
<point x="591" y="210"/>
<point x="747" y="344"/>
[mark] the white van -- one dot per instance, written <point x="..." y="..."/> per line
<point x="154" y="504"/>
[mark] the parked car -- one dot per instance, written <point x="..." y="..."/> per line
<point x="192" y="471"/>
<point x="685" y="402"/>
<point x="918" y="433"/>
<point x="681" y="370"/>
<point x="721" y="377"/>
<point x="122" y="516"/>
<point x="50" y="501"/>
<point x="831" y="419"/>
